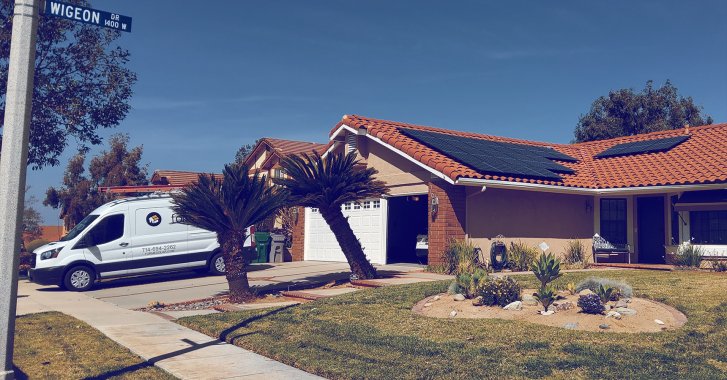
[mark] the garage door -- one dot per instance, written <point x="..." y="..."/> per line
<point x="368" y="221"/>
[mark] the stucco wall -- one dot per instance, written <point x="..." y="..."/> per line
<point x="401" y="175"/>
<point x="529" y="216"/>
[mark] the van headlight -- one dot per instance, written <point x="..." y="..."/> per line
<point x="52" y="254"/>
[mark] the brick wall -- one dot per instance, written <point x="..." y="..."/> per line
<point x="449" y="221"/>
<point x="296" y="251"/>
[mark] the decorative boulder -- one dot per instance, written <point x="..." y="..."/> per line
<point x="585" y="292"/>
<point x="477" y="301"/>
<point x="626" y="311"/>
<point x="453" y="314"/>
<point x="613" y="314"/>
<point x="529" y="300"/>
<point x="517" y="305"/>
<point x="621" y="303"/>
<point x="561" y="306"/>
<point x="459" y="297"/>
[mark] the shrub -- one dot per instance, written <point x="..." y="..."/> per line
<point x="689" y="255"/>
<point x="461" y="257"/>
<point x="499" y="291"/>
<point x="591" y="304"/>
<point x="719" y="266"/>
<point x="546" y="296"/>
<point x="575" y="252"/>
<point x="622" y="289"/>
<point x="469" y="283"/>
<point x="35" y="244"/>
<point x="26" y="259"/>
<point x="546" y="269"/>
<point x="571" y="288"/>
<point x="454" y="288"/>
<point x="607" y="293"/>
<point x="521" y="256"/>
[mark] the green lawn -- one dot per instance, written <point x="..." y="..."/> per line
<point x="56" y="346"/>
<point x="372" y="334"/>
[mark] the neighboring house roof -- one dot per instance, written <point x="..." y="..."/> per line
<point x="279" y="148"/>
<point x="177" y="177"/>
<point x="702" y="159"/>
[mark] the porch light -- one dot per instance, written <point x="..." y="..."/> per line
<point x="435" y="204"/>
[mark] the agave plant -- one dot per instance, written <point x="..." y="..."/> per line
<point x="326" y="184"/>
<point x="546" y="295"/>
<point x="605" y="292"/>
<point x="228" y="207"/>
<point x="546" y="269"/>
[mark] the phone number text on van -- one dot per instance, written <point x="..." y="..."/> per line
<point x="159" y="249"/>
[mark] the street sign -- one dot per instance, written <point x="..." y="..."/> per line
<point x="88" y="15"/>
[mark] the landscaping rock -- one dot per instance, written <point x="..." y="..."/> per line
<point x="621" y="303"/>
<point x="477" y="301"/>
<point x="607" y="307"/>
<point x="561" y="306"/>
<point x="585" y="292"/>
<point x="659" y="322"/>
<point x="529" y="300"/>
<point x="436" y="298"/>
<point x="613" y="314"/>
<point x="453" y="314"/>
<point x="517" y="305"/>
<point x="549" y="312"/>
<point x="428" y="304"/>
<point x="626" y="311"/>
<point x="571" y="325"/>
<point x="459" y="297"/>
<point x="604" y="326"/>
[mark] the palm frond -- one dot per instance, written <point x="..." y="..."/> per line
<point x="314" y="181"/>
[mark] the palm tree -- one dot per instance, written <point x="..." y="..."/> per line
<point x="228" y="207"/>
<point x="326" y="184"/>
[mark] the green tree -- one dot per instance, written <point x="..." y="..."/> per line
<point x="326" y="184"/>
<point x="625" y="113"/>
<point x="81" y="84"/>
<point x="79" y="195"/>
<point x="31" y="218"/>
<point x="228" y="207"/>
<point x="244" y="151"/>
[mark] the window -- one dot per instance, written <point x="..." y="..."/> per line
<point x="279" y="173"/>
<point x="367" y="205"/>
<point x="708" y="227"/>
<point x="356" y="206"/>
<point x="377" y="204"/>
<point x="313" y="210"/>
<point x="613" y="220"/>
<point x="107" y="230"/>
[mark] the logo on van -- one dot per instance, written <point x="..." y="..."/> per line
<point x="153" y="219"/>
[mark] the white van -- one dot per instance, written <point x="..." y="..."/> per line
<point x="126" y="237"/>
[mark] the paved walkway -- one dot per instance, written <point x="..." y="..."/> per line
<point x="183" y="352"/>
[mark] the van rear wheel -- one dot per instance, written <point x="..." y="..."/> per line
<point x="217" y="264"/>
<point x="79" y="278"/>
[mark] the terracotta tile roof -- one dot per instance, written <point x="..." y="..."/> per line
<point x="286" y="147"/>
<point x="177" y="177"/>
<point x="701" y="159"/>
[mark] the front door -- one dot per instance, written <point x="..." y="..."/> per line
<point x="650" y="224"/>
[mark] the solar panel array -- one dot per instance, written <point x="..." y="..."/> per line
<point x="495" y="157"/>
<point x="638" y="147"/>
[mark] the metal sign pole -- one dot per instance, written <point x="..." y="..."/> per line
<point x="13" y="166"/>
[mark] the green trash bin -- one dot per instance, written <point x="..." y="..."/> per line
<point x="262" y="246"/>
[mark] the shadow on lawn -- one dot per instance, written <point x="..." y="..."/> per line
<point x="225" y="334"/>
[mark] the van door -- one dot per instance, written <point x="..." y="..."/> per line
<point x="107" y="245"/>
<point x="159" y="241"/>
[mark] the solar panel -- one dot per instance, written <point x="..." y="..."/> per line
<point x="496" y="157"/>
<point x="638" y="147"/>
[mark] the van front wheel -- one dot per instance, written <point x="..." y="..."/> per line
<point x="217" y="264"/>
<point x="79" y="279"/>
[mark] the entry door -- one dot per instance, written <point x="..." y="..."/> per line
<point x="651" y="234"/>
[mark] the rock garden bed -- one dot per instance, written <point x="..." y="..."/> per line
<point x="639" y="315"/>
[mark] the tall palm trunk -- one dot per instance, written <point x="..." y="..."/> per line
<point x="351" y="246"/>
<point x="235" y="265"/>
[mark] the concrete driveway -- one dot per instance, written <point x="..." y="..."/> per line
<point x="137" y="292"/>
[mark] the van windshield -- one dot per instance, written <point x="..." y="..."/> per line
<point x="75" y="231"/>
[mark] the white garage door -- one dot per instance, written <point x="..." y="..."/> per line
<point x="368" y="222"/>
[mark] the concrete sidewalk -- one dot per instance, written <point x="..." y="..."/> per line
<point x="183" y="352"/>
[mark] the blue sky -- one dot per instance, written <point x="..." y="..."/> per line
<point x="214" y="77"/>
